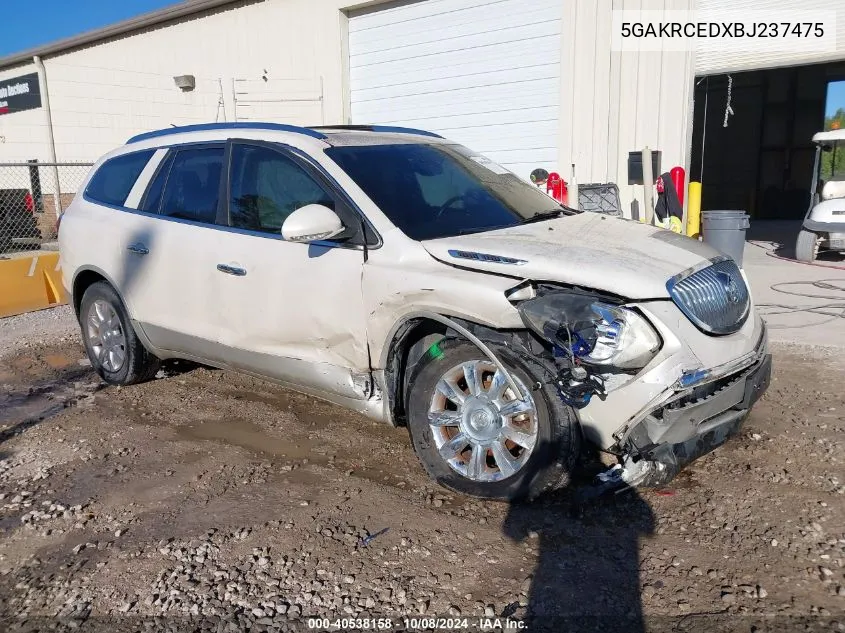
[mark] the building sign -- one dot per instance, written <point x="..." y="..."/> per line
<point x="20" y="93"/>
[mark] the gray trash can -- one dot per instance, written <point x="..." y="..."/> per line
<point x="725" y="231"/>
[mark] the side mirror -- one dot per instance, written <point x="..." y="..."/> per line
<point x="311" y="223"/>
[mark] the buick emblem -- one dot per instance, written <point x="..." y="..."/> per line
<point x="731" y="289"/>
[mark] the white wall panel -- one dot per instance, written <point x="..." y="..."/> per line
<point x="615" y="103"/>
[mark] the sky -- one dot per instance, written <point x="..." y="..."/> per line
<point x="835" y="97"/>
<point x="30" y="23"/>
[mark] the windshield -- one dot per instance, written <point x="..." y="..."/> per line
<point x="432" y="191"/>
<point x="833" y="161"/>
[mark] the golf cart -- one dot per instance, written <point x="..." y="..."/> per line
<point x="824" y="224"/>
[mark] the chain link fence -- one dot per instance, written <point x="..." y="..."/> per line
<point x="32" y="195"/>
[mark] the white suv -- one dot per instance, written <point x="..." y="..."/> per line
<point x="398" y="274"/>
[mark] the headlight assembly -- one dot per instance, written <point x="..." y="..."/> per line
<point x="590" y="328"/>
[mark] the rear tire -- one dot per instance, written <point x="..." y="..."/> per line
<point x="807" y="246"/>
<point x="113" y="347"/>
<point x="475" y="470"/>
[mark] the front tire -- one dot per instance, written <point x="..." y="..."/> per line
<point x="474" y="436"/>
<point x="115" y="351"/>
<point x="807" y="246"/>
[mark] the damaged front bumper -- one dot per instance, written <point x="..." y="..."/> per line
<point x="698" y="421"/>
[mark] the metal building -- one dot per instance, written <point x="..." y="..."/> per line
<point x="531" y="83"/>
<point x="758" y="156"/>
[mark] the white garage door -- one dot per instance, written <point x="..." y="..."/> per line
<point x="715" y="60"/>
<point x="485" y="73"/>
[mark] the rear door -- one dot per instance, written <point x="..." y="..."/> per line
<point x="293" y="311"/>
<point x="171" y="250"/>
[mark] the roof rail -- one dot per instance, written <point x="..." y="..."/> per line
<point x="205" y="127"/>
<point x="377" y="128"/>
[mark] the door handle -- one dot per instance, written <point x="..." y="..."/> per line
<point x="138" y="249"/>
<point x="231" y="270"/>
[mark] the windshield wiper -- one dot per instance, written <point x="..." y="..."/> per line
<point x="544" y="215"/>
<point x="481" y="229"/>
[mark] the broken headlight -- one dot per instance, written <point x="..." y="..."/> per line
<point x="592" y="329"/>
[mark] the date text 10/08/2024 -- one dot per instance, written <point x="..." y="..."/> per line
<point x="416" y="623"/>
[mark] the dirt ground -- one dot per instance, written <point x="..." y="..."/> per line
<point x="220" y="502"/>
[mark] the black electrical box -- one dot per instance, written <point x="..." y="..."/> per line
<point x="635" y="166"/>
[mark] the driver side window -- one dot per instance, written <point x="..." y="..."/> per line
<point x="267" y="186"/>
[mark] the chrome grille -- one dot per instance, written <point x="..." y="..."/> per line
<point x="715" y="298"/>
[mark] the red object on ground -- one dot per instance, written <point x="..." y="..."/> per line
<point x="556" y="186"/>
<point x="679" y="178"/>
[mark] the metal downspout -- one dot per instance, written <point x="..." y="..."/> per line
<point x="51" y="141"/>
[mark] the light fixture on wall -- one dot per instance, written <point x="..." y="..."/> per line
<point x="185" y="83"/>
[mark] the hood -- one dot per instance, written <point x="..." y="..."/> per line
<point x="832" y="210"/>
<point x="623" y="257"/>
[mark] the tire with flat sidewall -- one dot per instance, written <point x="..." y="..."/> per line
<point x="140" y="365"/>
<point x="554" y="457"/>
<point x="806" y="246"/>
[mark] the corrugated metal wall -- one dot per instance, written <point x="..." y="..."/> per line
<point x="614" y="103"/>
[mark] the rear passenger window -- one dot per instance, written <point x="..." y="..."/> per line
<point x="116" y="177"/>
<point x="193" y="185"/>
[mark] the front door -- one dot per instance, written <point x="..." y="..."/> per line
<point x="293" y="311"/>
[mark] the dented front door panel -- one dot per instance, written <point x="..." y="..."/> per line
<point x="294" y="312"/>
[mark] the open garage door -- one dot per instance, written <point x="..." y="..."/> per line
<point x="483" y="73"/>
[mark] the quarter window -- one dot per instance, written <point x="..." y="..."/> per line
<point x="193" y="185"/>
<point x="116" y="177"/>
<point x="267" y="186"/>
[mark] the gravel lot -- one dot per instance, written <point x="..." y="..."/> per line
<point x="20" y="332"/>
<point x="224" y="503"/>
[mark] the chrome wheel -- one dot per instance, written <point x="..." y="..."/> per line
<point x="105" y="335"/>
<point x="480" y="427"/>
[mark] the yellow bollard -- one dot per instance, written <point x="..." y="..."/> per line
<point x="694" y="210"/>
